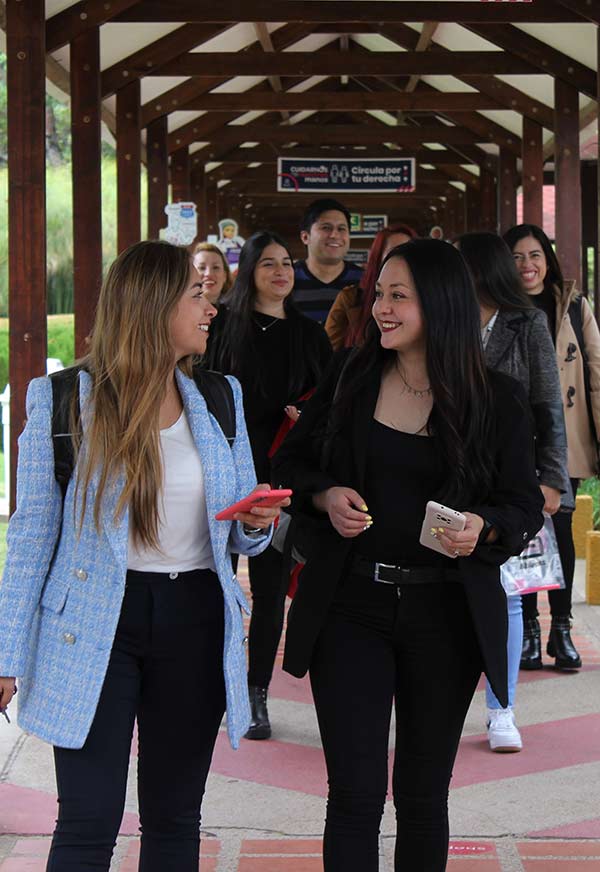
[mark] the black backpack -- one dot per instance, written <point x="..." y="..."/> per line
<point x="213" y="386"/>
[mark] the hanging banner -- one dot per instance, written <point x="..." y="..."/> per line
<point x="346" y="175"/>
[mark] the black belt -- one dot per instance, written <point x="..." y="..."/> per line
<point x="386" y="573"/>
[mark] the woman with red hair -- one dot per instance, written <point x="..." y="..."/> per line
<point x="351" y="310"/>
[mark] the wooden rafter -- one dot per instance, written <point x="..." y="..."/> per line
<point x="159" y="52"/>
<point x="587" y="9"/>
<point x="509" y="96"/>
<point x="423" y="43"/>
<point x="179" y="96"/>
<point x="543" y="57"/>
<point x="264" y="37"/>
<point x="81" y="17"/>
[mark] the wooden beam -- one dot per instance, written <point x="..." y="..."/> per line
<point x="180" y="175"/>
<point x="77" y="19"/>
<point x="149" y="59"/>
<point x="335" y="134"/>
<point x="507" y="191"/>
<point x="359" y="11"/>
<point x="264" y="37"/>
<point x="87" y="181"/>
<point x="510" y="97"/>
<point x="588" y="9"/>
<point x="532" y="173"/>
<point x="26" y="117"/>
<point x="157" y="175"/>
<point x="128" y="166"/>
<point x="328" y="63"/>
<point x="268" y="154"/>
<point x="488" y="217"/>
<point x="343" y="101"/>
<point x="567" y="183"/>
<point x="180" y="95"/>
<point x="543" y="57"/>
<point x="198" y="192"/>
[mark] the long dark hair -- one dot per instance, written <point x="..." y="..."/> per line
<point x="366" y="288"/>
<point x="554" y="274"/>
<point x="494" y="272"/>
<point x="232" y="343"/>
<point x="462" y="415"/>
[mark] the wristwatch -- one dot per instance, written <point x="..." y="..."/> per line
<point x="252" y="531"/>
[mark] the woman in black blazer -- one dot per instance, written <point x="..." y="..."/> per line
<point x="410" y="416"/>
<point x="278" y="355"/>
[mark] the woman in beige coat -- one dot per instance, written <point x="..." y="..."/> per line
<point x="577" y="341"/>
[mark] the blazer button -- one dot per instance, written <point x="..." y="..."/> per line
<point x="81" y="574"/>
<point x="245" y="640"/>
<point x="69" y="638"/>
<point x="524" y="536"/>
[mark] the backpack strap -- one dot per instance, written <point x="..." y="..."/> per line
<point x="218" y="395"/>
<point x="213" y="386"/>
<point x="64" y="383"/>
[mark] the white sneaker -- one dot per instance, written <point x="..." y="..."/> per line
<point x="503" y="734"/>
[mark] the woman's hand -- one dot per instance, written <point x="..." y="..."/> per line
<point x="292" y="412"/>
<point x="462" y="544"/>
<point x="8" y="688"/>
<point x="347" y="510"/>
<point x="261" y="516"/>
<point x="551" y="499"/>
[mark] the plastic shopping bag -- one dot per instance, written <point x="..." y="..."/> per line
<point x="536" y="568"/>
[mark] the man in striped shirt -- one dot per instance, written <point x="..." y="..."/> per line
<point x="325" y="231"/>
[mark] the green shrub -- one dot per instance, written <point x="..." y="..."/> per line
<point x="61" y="343"/>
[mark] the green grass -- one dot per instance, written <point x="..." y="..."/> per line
<point x="591" y="487"/>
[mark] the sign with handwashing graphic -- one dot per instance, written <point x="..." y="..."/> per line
<point x="346" y="175"/>
<point x="182" y="228"/>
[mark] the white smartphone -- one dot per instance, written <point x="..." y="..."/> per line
<point x="438" y="516"/>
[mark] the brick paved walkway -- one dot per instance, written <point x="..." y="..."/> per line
<point x="537" y="811"/>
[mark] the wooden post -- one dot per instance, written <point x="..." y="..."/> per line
<point x="567" y="180"/>
<point x="472" y="211"/>
<point x="26" y="118"/>
<point x="87" y="183"/>
<point x="158" y="175"/>
<point x="597" y="246"/>
<point x="129" y="213"/>
<point x="533" y="173"/>
<point x="488" y="201"/>
<point x="507" y="190"/>
<point x="198" y="185"/>
<point x="180" y="175"/>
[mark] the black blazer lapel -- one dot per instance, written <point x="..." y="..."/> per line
<point x="363" y="410"/>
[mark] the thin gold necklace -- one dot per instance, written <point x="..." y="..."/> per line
<point x="418" y="394"/>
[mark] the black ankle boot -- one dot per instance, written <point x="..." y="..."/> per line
<point x="560" y="645"/>
<point x="531" y="653"/>
<point x="260" y="728"/>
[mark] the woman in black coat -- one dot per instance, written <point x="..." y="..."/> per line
<point x="413" y="416"/>
<point x="278" y="354"/>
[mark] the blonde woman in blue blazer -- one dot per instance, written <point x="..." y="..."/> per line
<point x="121" y="604"/>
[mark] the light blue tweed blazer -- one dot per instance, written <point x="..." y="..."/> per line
<point x="61" y="593"/>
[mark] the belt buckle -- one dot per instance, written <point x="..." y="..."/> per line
<point x="378" y="566"/>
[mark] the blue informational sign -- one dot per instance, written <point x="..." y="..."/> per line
<point x="346" y="175"/>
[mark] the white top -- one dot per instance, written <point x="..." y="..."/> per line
<point x="487" y="330"/>
<point x="183" y="533"/>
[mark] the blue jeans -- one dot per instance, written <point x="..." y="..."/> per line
<point x="514" y="646"/>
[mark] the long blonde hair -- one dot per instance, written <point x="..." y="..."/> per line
<point x="130" y="361"/>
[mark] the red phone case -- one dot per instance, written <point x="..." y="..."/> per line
<point x="258" y="498"/>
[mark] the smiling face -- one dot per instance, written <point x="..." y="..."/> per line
<point x="212" y="273"/>
<point x="328" y="239"/>
<point x="397" y="309"/>
<point x="273" y="275"/>
<point x="531" y="264"/>
<point x="191" y="319"/>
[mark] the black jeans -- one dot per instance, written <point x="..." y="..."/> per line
<point x="418" y="648"/>
<point x="560" y="600"/>
<point x="165" y="670"/>
<point x="268" y="589"/>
